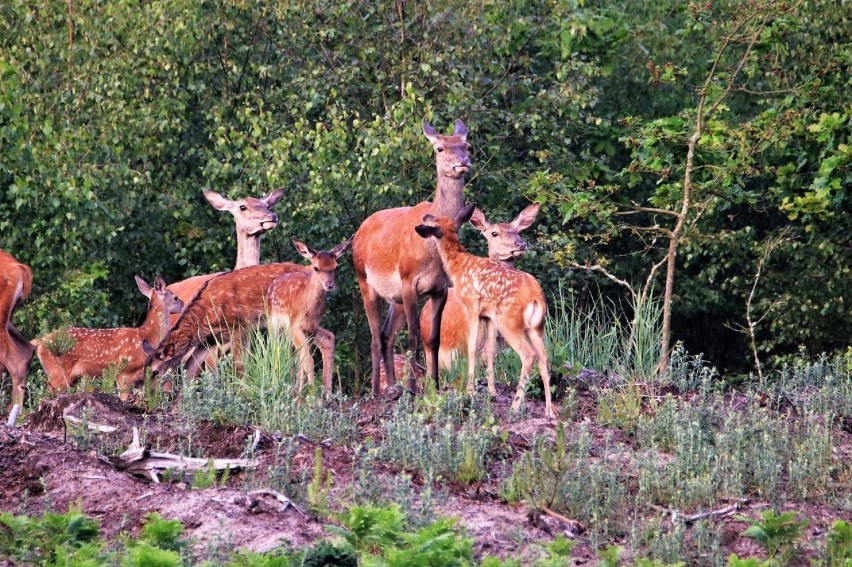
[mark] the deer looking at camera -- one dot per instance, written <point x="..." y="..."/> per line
<point x="504" y="245"/>
<point x="394" y="265"/>
<point x="297" y="304"/>
<point x="16" y="352"/>
<point x="94" y="350"/>
<point x="253" y="218"/>
<point x="227" y="304"/>
<point x="503" y="298"/>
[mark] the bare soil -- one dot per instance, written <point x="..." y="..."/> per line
<point x="49" y="464"/>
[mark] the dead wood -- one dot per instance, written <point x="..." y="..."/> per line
<point x="142" y="461"/>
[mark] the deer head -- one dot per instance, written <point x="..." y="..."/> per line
<point x="170" y="302"/>
<point x="324" y="263"/>
<point x="504" y="239"/>
<point x="452" y="155"/>
<point x="253" y="216"/>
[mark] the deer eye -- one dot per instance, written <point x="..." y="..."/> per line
<point x="316" y="268"/>
<point x="494" y="234"/>
<point x="440" y="149"/>
<point x="243" y="208"/>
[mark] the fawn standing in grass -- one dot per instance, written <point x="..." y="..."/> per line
<point x="504" y="245"/>
<point x="296" y="306"/>
<point x="505" y="299"/>
<point x="96" y="349"/>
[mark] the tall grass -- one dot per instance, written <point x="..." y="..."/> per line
<point x="601" y="338"/>
<point x="264" y="394"/>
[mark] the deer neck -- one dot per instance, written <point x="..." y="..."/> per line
<point x="449" y="196"/>
<point x="156" y="322"/>
<point x="452" y="255"/>
<point x="248" y="251"/>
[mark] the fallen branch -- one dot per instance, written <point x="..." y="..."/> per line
<point x="89" y="425"/>
<point x="285" y="502"/>
<point x="692" y="518"/>
<point x="141" y="461"/>
<point x="573" y="525"/>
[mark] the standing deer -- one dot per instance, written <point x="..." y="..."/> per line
<point x="393" y="264"/>
<point x="505" y="299"/>
<point x="94" y="350"/>
<point x="226" y="304"/>
<point x="296" y="305"/>
<point x="253" y="218"/>
<point x="504" y="245"/>
<point x="16" y="352"/>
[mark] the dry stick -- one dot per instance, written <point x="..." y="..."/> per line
<point x="573" y="524"/>
<point x="721" y="512"/>
<point x="286" y="502"/>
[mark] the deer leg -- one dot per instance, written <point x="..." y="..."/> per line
<point x="393" y="324"/>
<point x="373" y="310"/>
<point x="325" y="341"/>
<point x="537" y="340"/>
<point x="18" y="353"/>
<point x="439" y="300"/>
<point x="490" y="348"/>
<point x="305" y="373"/>
<point x="472" y="340"/>
<point x="518" y="341"/>
<point x="409" y="303"/>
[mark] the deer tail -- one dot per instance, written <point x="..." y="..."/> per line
<point x="534" y="315"/>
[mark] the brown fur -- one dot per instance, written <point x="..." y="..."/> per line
<point x="504" y="245"/>
<point x="16" y="352"/>
<point x="297" y="304"/>
<point x="503" y="298"/>
<point x="233" y="301"/>
<point x="96" y="349"/>
<point x="393" y="264"/>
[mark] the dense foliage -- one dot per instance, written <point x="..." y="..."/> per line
<point x="114" y="116"/>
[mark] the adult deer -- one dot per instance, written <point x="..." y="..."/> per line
<point x="504" y="245"/>
<point x="253" y="218"/>
<point x="297" y="304"/>
<point x="95" y="350"/>
<point x="505" y="299"/>
<point x="16" y="352"/>
<point x="231" y="302"/>
<point x="393" y="264"/>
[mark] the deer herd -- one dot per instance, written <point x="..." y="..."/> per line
<point x="401" y="257"/>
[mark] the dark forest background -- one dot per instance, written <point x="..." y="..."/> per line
<point x="115" y="115"/>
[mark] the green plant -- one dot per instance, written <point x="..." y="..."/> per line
<point x="320" y="486"/>
<point x="59" y="341"/>
<point x="557" y="552"/>
<point x="371" y="528"/>
<point x="325" y="553"/>
<point x="839" y="544"/>
<point x="777" y="533"/>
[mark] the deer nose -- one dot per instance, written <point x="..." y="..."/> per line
<point x="523" y="246"/>
<point x="329" y="286"/>
<point x="274" y="217"/>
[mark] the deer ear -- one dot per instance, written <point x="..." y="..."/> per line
<point x="147" y="347"/>
<point x="273" y="197"/>
<point x="143" y="287"/>
<point x="526" y="217"/>
<point x="159" y="284"/>
<point x="303" y="249"/>
<point x="168" y="351"/>
<point x="429" y="219"/>
<point x="464" y="214"/>
<point x="339" y="250"/>
<point x="425" y="231"/>
<point x="219" y="202"/>
<point x="430" y="132"/>
<point x="478" y="220"/>
<point x="460" y="129"/>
